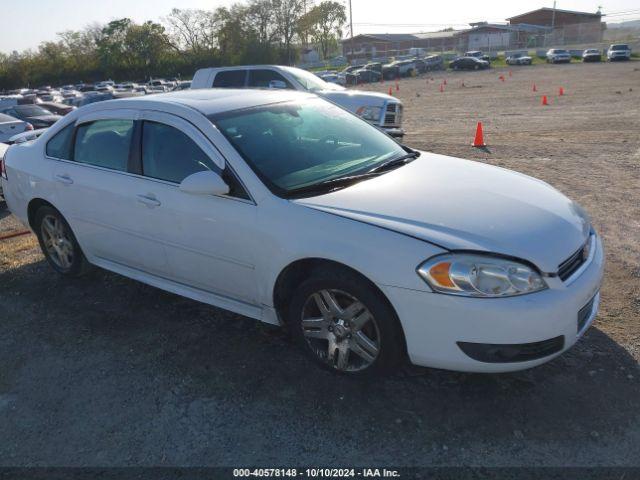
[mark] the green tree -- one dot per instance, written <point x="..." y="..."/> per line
<point x="324" y="23"/>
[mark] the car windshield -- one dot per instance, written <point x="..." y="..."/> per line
<point x="309" y="81"/>
<point x="619" y="47"/>
<point x="559" y="51"/>
<point x="296" y="145"/>
<point x="31" y="110"/>
<point x="592" y="50"/>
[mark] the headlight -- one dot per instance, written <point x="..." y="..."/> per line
<point x="472" y="275"/>
<point x="370" y="113"/>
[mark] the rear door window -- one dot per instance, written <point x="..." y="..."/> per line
<point x="230" y="79"/>
<point x="104" y="143"/>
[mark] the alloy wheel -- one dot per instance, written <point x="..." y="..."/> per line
<point x="340" y="330"/>
<point x="57" y="241"/>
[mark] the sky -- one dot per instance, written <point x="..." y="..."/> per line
<point x="42" y="19"/>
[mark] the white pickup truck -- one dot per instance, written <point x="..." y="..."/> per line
<point x="379" y="109"/>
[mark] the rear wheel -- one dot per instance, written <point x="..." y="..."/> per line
<point x="344" y="323"/>
<point x="58" y="243"/>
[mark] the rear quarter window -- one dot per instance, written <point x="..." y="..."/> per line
<point x="230" y="79"/>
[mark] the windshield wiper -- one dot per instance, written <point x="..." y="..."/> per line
<point x="396" y="162"/>
<point x="327" y="186"/>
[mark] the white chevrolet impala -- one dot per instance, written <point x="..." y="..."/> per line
<point x="283" y="207"/>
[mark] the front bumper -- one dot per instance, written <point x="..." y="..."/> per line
<point x="434" y="324"/>
<point x="623" y="56"/>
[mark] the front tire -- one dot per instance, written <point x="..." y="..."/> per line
<point x="345" y="324"/>
<point x="59" y="244"/>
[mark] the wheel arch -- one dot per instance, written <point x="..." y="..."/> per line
<point x="34" y="206"/>
<point x="298" y="270"/>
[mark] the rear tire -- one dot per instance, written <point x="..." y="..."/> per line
<point x="344" y="323"/>
<point x="59" y="244"/>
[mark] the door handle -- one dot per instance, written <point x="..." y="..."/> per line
<point x="149" y="201"/>
<point x="66" y="179"/>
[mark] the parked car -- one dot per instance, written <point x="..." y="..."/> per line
<point x="619" y="51"/>
<point x="558" y="55"/>
<point x="382" y="110"/>
<point x="333" y="78"/>
<point x="420" y="65"/>
<point x="34" y="114"/>
<point x="363" y="75"/>
<point x="11" y="126"/>
<point x="519" y="59"/>
<point x="283" y="207"/>
<point x="183" y="85"/>
<point x="351" y="69"/>
<point x="468" y="63"/>
<point x="406" y="68"/>
<point x="477" y="54"/>
<point x="57" y="108"/>
<point x="391" y="71"/>
<point x="433" y="62"/>
<point x="592" y="55"/>
<point x="375" y="66"/>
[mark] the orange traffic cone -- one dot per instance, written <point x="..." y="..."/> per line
<point x="544" y="100"/>
<point x="445" y="82"/>
<point x="535" y="89"/>
<point x="479" y="140"/>
<point x="390" y="92"/>
<point x="441" y="88"/>
<point x="561" y="91"/>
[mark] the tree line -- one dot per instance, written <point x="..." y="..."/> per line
<point x="249" y="32"/>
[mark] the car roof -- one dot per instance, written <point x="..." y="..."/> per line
<point x="211" y="101"/>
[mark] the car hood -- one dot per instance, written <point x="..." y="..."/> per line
<point x="465" y="205"/>
<point x="354" y="99"/>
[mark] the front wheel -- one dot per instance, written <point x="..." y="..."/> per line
<point x="344" y="323"/>
<point x="58" y="243"/>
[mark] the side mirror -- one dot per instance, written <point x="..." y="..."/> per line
<point x="204" y="183"/>
<point x="277" y="84"/>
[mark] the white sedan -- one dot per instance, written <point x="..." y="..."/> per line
<point x="281" y="206"/>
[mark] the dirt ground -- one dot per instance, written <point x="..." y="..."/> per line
<point x="106" y="371"/>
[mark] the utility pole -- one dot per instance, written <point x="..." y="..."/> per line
<point x="553" y="24"/>
<point x="351" y="25"/>
<point x="553" y="19"/>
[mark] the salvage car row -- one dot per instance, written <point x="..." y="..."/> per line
<point x="408" y="66"/>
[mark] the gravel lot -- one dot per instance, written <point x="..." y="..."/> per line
<point x="105" y="371"/>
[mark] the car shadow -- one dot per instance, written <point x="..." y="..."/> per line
<point x="108" y="351"/>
